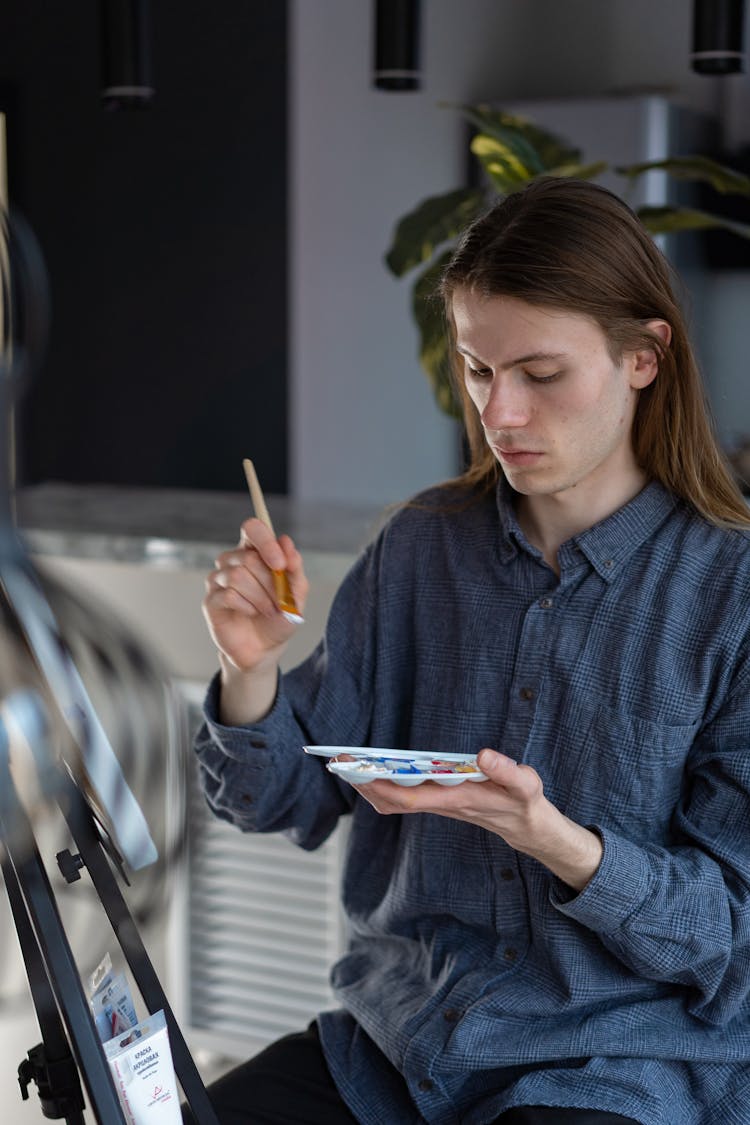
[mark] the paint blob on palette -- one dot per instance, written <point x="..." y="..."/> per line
<point x="360" y="764"/>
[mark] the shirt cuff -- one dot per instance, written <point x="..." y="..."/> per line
<point x="616" y="890"/>
<point x="244" y="742"/>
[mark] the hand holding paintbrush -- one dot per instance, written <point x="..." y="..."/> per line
<point x="250" y="611"/>
<point x="284" y="594"/>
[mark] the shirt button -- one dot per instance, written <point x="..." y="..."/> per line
<point x="545" y="603"/>
<point x="451" y="1015"/>
<point x="425" y="1085"/>
<point x="258" y="743"/>
<point x="507" y="873"/>
<point x="510" y="954"/>
<point x="247" y="799"/>
<point x="609" y="562"/>
<point x="526" y="693"/>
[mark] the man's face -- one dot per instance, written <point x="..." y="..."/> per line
<point x="556" y="410"/>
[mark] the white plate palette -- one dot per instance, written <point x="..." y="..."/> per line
<point x="403" y="767"/>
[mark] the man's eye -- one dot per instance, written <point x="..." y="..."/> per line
<point x="544" y="378"/>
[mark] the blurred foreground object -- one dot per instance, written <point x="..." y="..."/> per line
<point x="57" y="753"/>
<point x="109" y="710"/>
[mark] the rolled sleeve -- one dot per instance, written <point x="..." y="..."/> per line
<point x="259" y="778"/>
<point x="617" y="889"/>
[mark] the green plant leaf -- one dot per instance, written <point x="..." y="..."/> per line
<point x="723" y="179"/>
<point x="668" y="220"/>
<point x="504" y="168"/>
<point x="434" y="221"/>
<point x="507" y="174"/>
<point x="512" y="141"/>
<point x="578" y="171"/>
<point x="536" y="147"/>
<point x="434" y="357"/>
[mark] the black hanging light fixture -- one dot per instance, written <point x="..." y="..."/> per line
<point x="125" y="31"/>
<point x="718" y="32"/>
<point x="396" y="62"/>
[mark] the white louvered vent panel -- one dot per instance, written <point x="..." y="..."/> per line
<point x="259" y="923"/>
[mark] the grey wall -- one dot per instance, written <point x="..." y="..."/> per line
<point x="363" y="423"/>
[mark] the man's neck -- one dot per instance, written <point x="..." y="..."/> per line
<point x="549" y="521"/>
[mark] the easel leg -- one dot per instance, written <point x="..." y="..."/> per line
<point x="50" y="1065"/>
<point x="48" y="953"/>
<point x="84" y="832"/>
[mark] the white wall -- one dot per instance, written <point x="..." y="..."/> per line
<point x="363" y="423"/>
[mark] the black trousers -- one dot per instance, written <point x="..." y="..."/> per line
<point x="289" y="1084"/>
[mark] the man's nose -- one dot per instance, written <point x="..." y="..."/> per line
<point x="507" y="405"/>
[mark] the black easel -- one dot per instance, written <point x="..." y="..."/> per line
<point x="70" y="1044"/>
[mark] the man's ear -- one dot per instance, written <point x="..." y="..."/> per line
<point x="645" y="361"/>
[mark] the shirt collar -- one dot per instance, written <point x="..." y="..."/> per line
<point x="607" y="545"/>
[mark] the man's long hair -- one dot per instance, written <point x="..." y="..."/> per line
<point x="574" y="246"/>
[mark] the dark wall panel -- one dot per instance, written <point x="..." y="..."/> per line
<point x="164" y="232"/>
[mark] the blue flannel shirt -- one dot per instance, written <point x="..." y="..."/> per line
<point x="474" y="980"/>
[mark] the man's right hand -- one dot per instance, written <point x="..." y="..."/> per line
<point x="245" y="622"/>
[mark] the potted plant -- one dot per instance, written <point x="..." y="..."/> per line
<point x="510" y="151"/>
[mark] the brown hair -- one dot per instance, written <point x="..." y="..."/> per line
<point x="573" y="245"/>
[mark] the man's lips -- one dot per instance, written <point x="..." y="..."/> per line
<point x="517" y="456"/>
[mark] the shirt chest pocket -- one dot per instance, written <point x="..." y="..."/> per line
<point x="627" y="772"/>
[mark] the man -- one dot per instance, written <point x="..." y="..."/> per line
<point x="569" y="941"/>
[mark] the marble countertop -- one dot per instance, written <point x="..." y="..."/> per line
<point x="175" y="526"/>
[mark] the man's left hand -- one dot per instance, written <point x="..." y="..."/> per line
<point x="512" y="804"/>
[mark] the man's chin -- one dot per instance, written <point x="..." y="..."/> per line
<point x="529" y="483"/>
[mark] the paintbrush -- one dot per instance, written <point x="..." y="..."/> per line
<point x="283" y="590"/>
